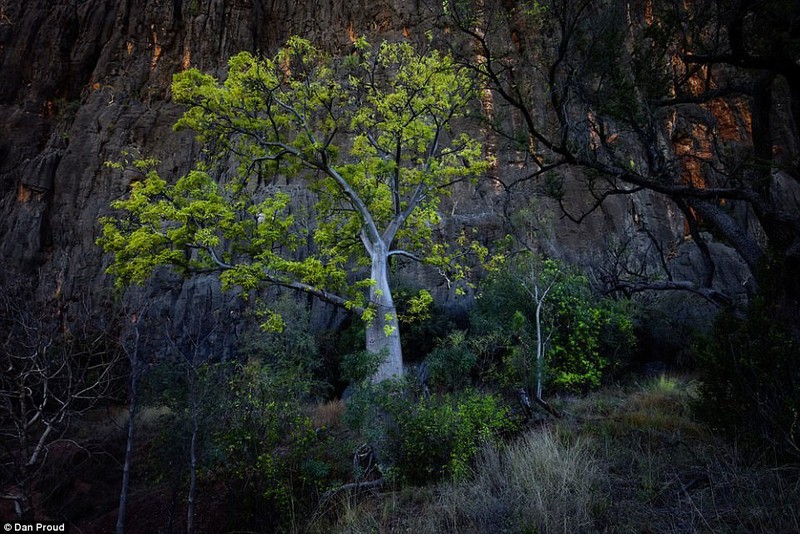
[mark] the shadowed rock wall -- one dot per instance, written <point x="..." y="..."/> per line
<point x="83" y="80"/>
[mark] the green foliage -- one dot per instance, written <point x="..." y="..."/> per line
<point x="423" y="323"/>
<point x="585" y="335"/>
<point x="263" y="442"/>
<point x="358" y="366"/>
<point x="450" y="364"/>
<point x="423" y="439"/>
<point x="440" y="437"/>
<point x="254" y="436"/>
<point x="372" y="134"/>
<point x="255" y="433"/>
<point x="165" y="390"/>
<point x="264" y="439"/>
<point x="751" y="380"/>
<point x="294" y="344"/>
<point x="419" y="307"/>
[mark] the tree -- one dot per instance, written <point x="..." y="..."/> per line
<point x="538" y="289"/>
<point x="542" y="318"/>
<point x="372" y="133"/>
<point x="55" y="368"/>
<point x="679" y="99"/>
<point x="193" y="407"/>
<point x="138" y="368"/>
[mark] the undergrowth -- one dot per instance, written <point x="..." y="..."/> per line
<point x="627" y="458"/>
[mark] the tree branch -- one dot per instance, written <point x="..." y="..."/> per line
<point x="405" y="254"/>
<point x="712" y="295"/>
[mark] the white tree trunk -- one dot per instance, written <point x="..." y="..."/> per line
<point x="539" y="341"/>
<point x="383" y="333"/>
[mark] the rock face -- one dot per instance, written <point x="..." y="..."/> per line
<point x="84" y="80"/>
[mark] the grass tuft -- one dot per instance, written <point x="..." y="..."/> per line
<point x="542" y="482"/>
<point x="328" y="414"/>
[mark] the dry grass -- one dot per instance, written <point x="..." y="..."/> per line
<point x="624" y="459"/>
<point x="367" y="511"/>
<point x="667" y="473"/>
<point x="327" y="415"/>
<point x="544" y="482"/>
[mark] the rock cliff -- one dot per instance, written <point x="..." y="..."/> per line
<point x="84" y="80"/>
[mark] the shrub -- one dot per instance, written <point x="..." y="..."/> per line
<point x="422" y="330"/>
<point x="424" y="439"/>
<point x="450" y="364"/>
<point x="359" y="366"/>
<point x="285" y="337"/>
<point x="584" y="335"/>
<point x="262" y="443"/>
<point x="751" y="381"/>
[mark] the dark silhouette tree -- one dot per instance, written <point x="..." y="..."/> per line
<point x="55" y="367"/>
<point x="682" y="99"/>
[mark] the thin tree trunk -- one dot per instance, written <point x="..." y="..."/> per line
<point x="192" y="453"/>
<point x="539" y="342"/>
<point x="539" y="296"/>
<point x="126" y="469"/>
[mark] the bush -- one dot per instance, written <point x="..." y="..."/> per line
<point x="590" y="337"/>
<point x="751" y="380"/>
<point x="359" y="366"/>
<point x="254" y="434"/>
<point x="585" y="336"/>
<point x="262" y="442"/>
<point x="422" y="330"/>
<point x="450" y="364"/>
<point x="424" y="439"/>
<point x="285" y="338"/>
<point x="264" y="445"/>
